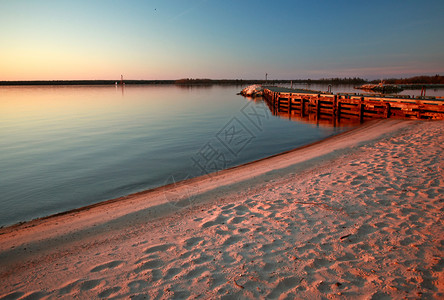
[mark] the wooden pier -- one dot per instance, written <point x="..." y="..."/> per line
<point x="349" y="108"/>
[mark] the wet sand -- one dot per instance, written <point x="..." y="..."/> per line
<point x="356" y="215"/>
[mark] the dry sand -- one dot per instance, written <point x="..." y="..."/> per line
<point x="356" y="216"/>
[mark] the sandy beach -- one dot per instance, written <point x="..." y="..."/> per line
<point x="358" y="215"/>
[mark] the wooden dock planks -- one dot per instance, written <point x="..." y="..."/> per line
<point x="303" y="103"/>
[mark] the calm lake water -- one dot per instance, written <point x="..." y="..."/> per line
<point x="64" y="147"/>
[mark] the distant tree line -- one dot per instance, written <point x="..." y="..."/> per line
<point x="437" y="79"/>
<point x="203" y="81"/>
<point x="83" y="82"/>
<point x="337" y="80"/>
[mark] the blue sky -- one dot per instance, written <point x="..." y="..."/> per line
<point x="220" y="39"/>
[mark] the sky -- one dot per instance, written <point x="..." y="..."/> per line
<point x="239" y="39"/>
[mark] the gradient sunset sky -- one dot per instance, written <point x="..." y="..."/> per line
<point x="48" y="40"/>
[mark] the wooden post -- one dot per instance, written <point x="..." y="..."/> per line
<point x="419" y="113"/>
<point x="387" y="110"/>
<point x="361" y="109"/>
<point x="289" y="104"/>
<point x="318" y="107"/>
<point x="302" y="107"/>
<point x="313" y="104"/>
<point x="338" y="110"/>
<point x="335" y="106"/>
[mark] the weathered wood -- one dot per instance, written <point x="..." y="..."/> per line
<point x="354" y="105"/>
<point x="318" y="107"/>
<point x="302" y="107"/>
<point x="387" y="110"/>
<point x="338" y="110"/>
<point x="335" y="105"/>
<point x="328" y="111"/>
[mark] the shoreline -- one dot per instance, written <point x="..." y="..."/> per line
<point x="30" y="223"/>
<point x="296" y="198"/>
<point x="204" y="178"/>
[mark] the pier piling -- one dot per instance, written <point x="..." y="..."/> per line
<point x="337" y="107"/>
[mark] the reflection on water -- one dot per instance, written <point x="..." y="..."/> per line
<point x="323" y="120"/>
<point x="344" y="108"/>
<point x="63" y="147"/>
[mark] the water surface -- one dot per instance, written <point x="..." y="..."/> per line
<point x="63" y="147"/>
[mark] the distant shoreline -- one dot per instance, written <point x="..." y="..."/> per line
<point x="141" y="82"/>
<point x="186" y="81"/>
<point x="206" y="82"/>
<point x="82" y="82"/>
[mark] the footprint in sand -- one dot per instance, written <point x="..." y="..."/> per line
<point x="216" y="280"/>
<point x="146" y="258"/>
<point x="140" y="297"/>
<point x="438" y="266"/>
<point x="409" y="240"/>
<point x="236" y="220"/>
<point x="108" y="292"/>
<point x="358" y="180"/>
<point x="219" y="220"/>
<point x="158" y="248"/>
<point x="90" y="284"/>
<point x="139" y="243"/>
<point x="227" y="258"/>
<point x="194" y="273"/>
<point x="319" y="263"/>
<point x="269" y="247"/>
<point x="109" y="265"/>
<point x="149" y="265"/>
<point x="185" y="255"/>
<point x="155" y="275"/>
<point x="180" y="295"/>
<point x="192" y="242"/>
<point x="380" y="295"/>
<point x="283" y="286"/>
<point x="362" y="232"/>
<point x="241" y="230"/>
<point x="203" y="258"/>
<point x="170" y="273"/>
<point x="68" y="288"/>
<point x="223" y="232"/>
<point x="227" y="206"/>
<point x="137" y="286"/>
<point x="34" y="296"/>
<point x="12" y="296"/>
<point x="323" y="287"/>
<point x="241" y="210"/>
<point x="232" y="240"/>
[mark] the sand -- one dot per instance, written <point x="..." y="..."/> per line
<point x="358" y="215"/>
